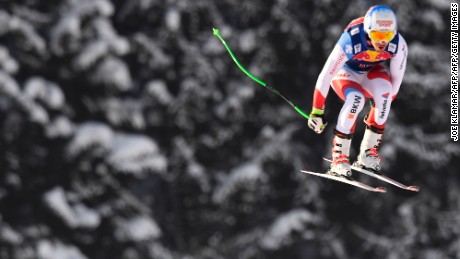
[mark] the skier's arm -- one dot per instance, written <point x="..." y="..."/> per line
<point x="398" y="65"/>
<point x="334" y="63"/>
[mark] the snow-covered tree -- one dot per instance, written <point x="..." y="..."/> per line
<point x="128" y="132"/>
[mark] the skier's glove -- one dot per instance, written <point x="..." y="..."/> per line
<point x="316" y="122"/>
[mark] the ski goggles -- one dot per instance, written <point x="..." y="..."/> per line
<point x="379" y="36"/>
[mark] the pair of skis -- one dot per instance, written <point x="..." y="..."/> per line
<point x="361" y="185"/>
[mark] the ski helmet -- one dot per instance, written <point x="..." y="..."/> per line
<point x="380" y="18"/>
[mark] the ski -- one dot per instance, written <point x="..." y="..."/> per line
<point x="386" y="179"/>
<point x="347" y="181"/>
<point x="383" y="178"/>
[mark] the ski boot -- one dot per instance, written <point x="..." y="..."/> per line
<point x="340" y="152"/>
<point x="369" y="157"/>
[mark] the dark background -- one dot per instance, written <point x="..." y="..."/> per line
<point x="128" y="132"/>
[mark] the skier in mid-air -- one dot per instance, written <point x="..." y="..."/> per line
<point x="355" y="72"/>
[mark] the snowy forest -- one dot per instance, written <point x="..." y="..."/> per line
<point x="127" y="131"/>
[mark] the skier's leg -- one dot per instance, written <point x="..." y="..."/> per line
<point x="378" y="84"/>
<point x="346" y="85"/>
<point x="353" y="105"/>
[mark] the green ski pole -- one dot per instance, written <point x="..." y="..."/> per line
<point x="300" y="111"/>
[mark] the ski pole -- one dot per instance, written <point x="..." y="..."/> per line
<point x="300" y="111"/>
